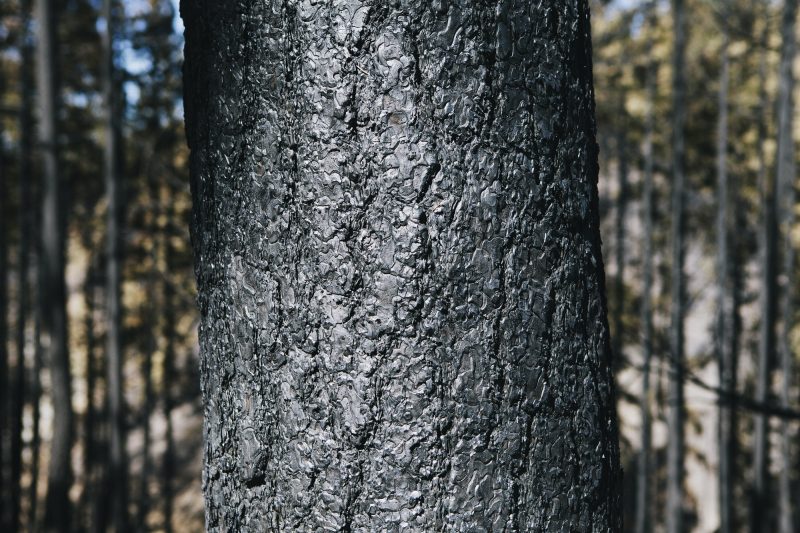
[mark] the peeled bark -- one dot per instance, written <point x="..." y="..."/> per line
<point x="675" y="409"/>
<point x="397" y="248"/>
<point x="117" y="468"/>
<point x="54" y="314"/>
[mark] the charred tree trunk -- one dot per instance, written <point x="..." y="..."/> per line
<point x="785" y="180"/>
<point x="396" y="235"/>
<point x="643" y="481"/>
<point x="54" y="314"/>
<point x="675" y="413"/>
<point x="767" y="299"/>
<point x="117" y="474"/>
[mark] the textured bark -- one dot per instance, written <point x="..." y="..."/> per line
<point x="767" y="298"/>
<point x="675" y="408"/>
<point x="54" y="315"/>
<point x="726" y="337"/>
<point x="643" y="481"/>
<point x="397" y="249"/>
<point x="117" y="468"/>
<point x="785" y="179"/>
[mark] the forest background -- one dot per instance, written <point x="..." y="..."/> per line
<point x="697" y="135"/>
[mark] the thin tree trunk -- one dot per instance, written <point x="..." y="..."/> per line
<point x="621" y="212"/>
<point x="675" y="414"/>
<point x="168" y="371"/>
<point x="117" y="475"/>
<point x="36" y="395"/>
<point x="399" y="267"/>
<point x="5" y="395"/>
<point x="26" y="221"/>
<point x="785" y="180"/>
<point x="643" y="484"/>
<point x="54" y="316"/>
<point x="90" y="419"/>
<point x="725" y="288"/>
<point x="767" y="300"/>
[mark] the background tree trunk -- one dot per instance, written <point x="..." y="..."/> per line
<point x="785" y="179"/>
<point x="767" y="298"/>
<point x="54" y="316"/>
<point x="396" y="236"/>
<point x="675" y="407"/>
<point x="117" y="468"/>
<point x="26" y="223"/>
<point x="643" y="481"/>
<point x="725" y="337"/>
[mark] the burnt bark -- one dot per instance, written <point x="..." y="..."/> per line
<point x="53" y="300"/>
<point x="397" y="248"/>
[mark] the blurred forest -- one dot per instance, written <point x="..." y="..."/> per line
<point x="101" y="419"/>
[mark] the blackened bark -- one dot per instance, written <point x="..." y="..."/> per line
<point x="54" y="316"/>
<point x="397" y="250"/>
<point x="117" y="474"/>
<point x="785" y="180"/>
<point x="767" y="299"/>
<point x="675" y="408"/>
<point x="643" y="481"/>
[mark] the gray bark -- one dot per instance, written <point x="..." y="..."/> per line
<point x="643" y="518"/>
<point x="726" y="337"/>
<point x="767" y="299"/>
<point x="396" y="236"/>
<point x="117" y="474"/>
<point x="785" y="179"/>
<point x="675" y="408"/>
<point x="54" y="316"/>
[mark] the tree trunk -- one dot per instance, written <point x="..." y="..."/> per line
<point x="117" y="475"/>
<point x="767" y="299"/>
<point x="396" y="235"/>
<point x="26" y="223"/>
<point x="5" y="393"/>
<point x="54" y="315"/>
<point x="90" y="419"/>
<point x="643" y="482"/>
<point x="168" y="370"/>
<point x="675" y="413"/>
<point x="621" y="212"/>
<point x="785" y="180"/>
<point x="725" y="299"/>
